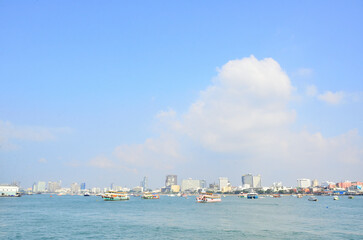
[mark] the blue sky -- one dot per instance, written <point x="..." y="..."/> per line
<point x="83" y="82"/>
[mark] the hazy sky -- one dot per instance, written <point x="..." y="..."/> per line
<point x="109" y="91"/>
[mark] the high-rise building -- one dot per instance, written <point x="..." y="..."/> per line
<point x="304" y="183"/>
<point x="145" y="183"/>
<point x="223" y="183"/>
<point x="315" y="183"/>
<point x="171" y="180"/>
<point x="83" y="186"/>
<point x="252" y="181"/>
<point x="39" y="187"/>
<point x="53" y="186"/>
<point x="191" y="185"/>
<point x="75" y="188"/>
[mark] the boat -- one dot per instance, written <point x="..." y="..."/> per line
<point x="299" y="196"/>
<point x="252" y="196"/>
<point x="242" y="195"/>
<point x="86" y="194"/>
<point x="312" y="198"/>
<point x="276" y="196"/>
<point x="208" y="198"/>
<point x="350" y="197"/>
<point x="335" y="198"/>
<point x="115" y="196"/>
<point x="150" y="196"/>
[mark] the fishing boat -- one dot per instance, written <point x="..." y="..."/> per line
<point x="312" y="198"/>
<point x="252" y="196"/>
<point x="335" y="198"/>
<point x="150" y="196"/>
<point x="115" y="196"/>
<point x="208" y="198"/>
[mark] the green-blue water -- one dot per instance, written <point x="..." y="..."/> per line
<point x="78" y="217"/>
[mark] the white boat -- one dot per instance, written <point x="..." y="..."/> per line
<point x="312" y="198"/>
<point x="335" y="198"/>
<point x="86" y="194"/>
<point x="208" y="198"/>
<point x="252" y="196"/>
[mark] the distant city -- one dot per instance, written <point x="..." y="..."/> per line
<point x="249" y="183"/>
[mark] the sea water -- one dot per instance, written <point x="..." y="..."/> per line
<point x="79" y="217"/>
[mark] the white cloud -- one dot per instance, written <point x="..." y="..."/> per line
<point x="245" y="113"/>
<point x="101" y="162"/>
<point x="311" y="90"/>
<point x="10" y="133"/>
<point x="42" y="160"/>
<point x="304" y="72"/>
<point x="332" y="98"/>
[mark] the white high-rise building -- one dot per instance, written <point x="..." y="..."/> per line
<point x="190" y="184"/>
<point x="223" y="183"/>
<point x="252" y="181"/>
<point x="304" y="183"/>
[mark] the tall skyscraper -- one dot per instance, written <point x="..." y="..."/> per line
<point x="304" y="183"/>
<point x="223" y="182"/>
<point x="53" y="186"/>
<point x="145" y="183"/>
<point x="171" y="180"/>
<point x="191" y="184"/>
<point x="83" y="186"/>
<point x="252" y="181"/>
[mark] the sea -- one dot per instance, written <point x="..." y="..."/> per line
<point x="77" y="217"/>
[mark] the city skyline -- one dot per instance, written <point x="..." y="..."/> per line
<point x="118" y="91"/>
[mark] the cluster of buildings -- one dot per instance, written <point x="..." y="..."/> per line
<point x="250" y="183"/>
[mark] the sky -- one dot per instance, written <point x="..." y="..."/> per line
<point x="109" y="92"/>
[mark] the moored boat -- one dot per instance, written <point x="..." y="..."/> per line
<point x="335" y="198"/>
<point x="312" y="198"/>
<point x="252" y="196"/>
<point x="150" y="196"/>
<point x="115" y="196"/>
<point x="276" y="195"/>
<point x="299" y="196"/>
<point x="208" y="198"/>
<point x="242" y="195"/>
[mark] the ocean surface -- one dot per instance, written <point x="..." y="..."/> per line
<point x="79" y="217"/>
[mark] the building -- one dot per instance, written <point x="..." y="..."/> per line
<point x="190" y="185"/>
<point x="223" y="183"/>
<point x="315" y="183"/>
<point x="252" y="181"/>
<point x="8" y="190"/>
<point x="39" y="187"/>
<point x="175" y="188"/>
<point x="83" y="186"/>
<point x="54" y="186"/>
<point x="145" y="183"/>
<point x="171" y="180"/>
<point x="303" y="183"/>
<point x="75" y="188"/>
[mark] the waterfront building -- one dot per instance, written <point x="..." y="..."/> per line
<point x="75" y="188"/>
<point x="54" y="186"/>
<point x="175" y="188"/>
<point x="252" y="181"/>
<point x="303" y="183"/>
<point x="190" y="185"/>
<point x="145" y="183"/>
<point x="171" y="180"/>
<point x="39" y="187"/>
<point x="223" y="183"/>
<point x="315" y="183"/>
<point x="8" y="190"/>
<point x="138" y="189"/>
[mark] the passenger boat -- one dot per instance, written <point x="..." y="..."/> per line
<point x="242" y="195"/>
<point x="115" y="196"/>
<point x="150" y="196"/>
<point x="335" y="198"/>
<point x="86" y="194"/>
<point x="209" y="197"/>
<point x="252" y="196"/>
<point x="312" y="198"/>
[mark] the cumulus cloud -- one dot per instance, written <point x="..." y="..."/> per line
<point x="311" y="91"/>
<point x="246" y="113"/>
<point x="10" y="132"/>
<point x="331" y="98"/>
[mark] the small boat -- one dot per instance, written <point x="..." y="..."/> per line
<point x="335" y="198"/>
<point x="242" y="195"/>
<point x="86" y="194"/>
<point x="115" y="196"/>
<point x="312" y="198"/>
<point x="208" y="198"/>
<point x="350" y="197"/>
<point x="299" y="196"/>
<point x="150" y="196"/>
<point x="252" y="196"/>
<point x="276" y="196"/>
